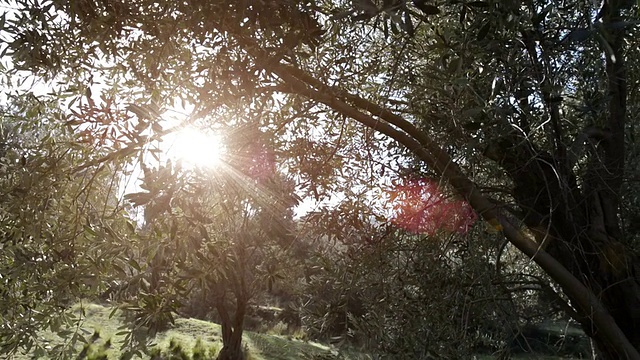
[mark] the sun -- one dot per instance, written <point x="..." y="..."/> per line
<point x="197" y="148"/>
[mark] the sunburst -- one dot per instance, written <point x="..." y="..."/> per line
<point x="197" y="147"/>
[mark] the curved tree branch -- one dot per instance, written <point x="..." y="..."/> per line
<point x="428" y="151"/>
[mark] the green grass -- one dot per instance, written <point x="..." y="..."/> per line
<point x="205" y="337"/>
<point x="186" y="333"/>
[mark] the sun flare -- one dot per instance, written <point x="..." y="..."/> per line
<point x="197" y="148"/>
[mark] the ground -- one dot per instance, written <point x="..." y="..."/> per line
<point x="188" y="334"/>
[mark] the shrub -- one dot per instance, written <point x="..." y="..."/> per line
<point x="176" y="351"/>
<point x="93" y="351"/>
<point x="201" y="352"/>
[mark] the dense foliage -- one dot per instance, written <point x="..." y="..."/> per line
<point x="524" y="110"/>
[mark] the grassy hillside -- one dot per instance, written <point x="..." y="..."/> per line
<point x="188" y="334"/>
<point x="192" y="339"/>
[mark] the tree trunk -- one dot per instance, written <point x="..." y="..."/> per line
<point x="231" y="329"/>
<point x="579" y="227"/>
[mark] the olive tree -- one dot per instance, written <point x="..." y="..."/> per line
<point x="520" y="107"/>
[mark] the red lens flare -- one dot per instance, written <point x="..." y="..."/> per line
<point x="419" y="206"/>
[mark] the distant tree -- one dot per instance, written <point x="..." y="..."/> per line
<point x="211" y="232"/>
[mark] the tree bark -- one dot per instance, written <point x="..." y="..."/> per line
<point x="575" y="226"/>
<point x="580" y="224"/>
<point x="232" y="329"/>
